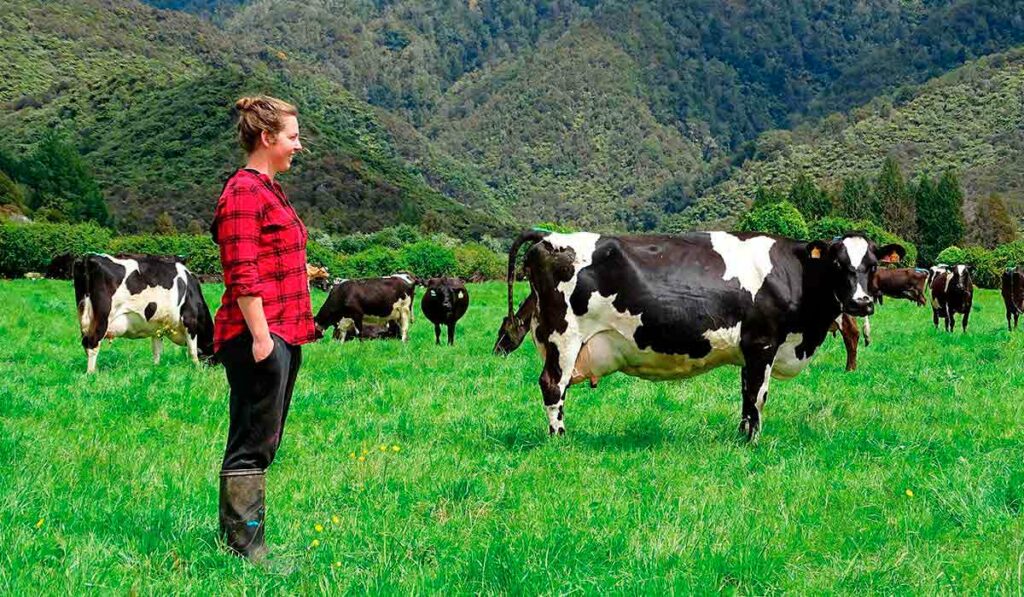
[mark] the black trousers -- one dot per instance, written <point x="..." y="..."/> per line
<point x="260" y="396"/>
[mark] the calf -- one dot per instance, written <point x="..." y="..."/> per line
<point x="140" y="296"/>
<point x="1013" y="295"/>
<point x="952" y="293"/>
<point x="670" y="307"/>
<point x="445" y="301"/>
<point x="351" y="303"/>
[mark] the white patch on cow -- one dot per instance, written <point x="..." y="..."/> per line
<point x="961" y="270"/>
<point x="748" y="261"/>
<point x="406" y="277"/>
<point x="724" y="338"/>
<point x="92" y="353"/>
<point x="787" y="364"/>
<point x="856" y="249"/>
<point x="867" y="331"/>
<point x="762" y="392"/>
<point x="158" y="346"/>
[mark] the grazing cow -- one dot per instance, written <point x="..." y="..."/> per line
<point x="670" y="307"/>
<point x="445" y="301"/>
<point x="952" y="293"/>
<point x="513" y="330"/>
<point x="318" y="277"/>
<point x="60" y="266"/>
<point x="351" y="303"/>
<point x="904" y="283"/>
<point x="1013" y="295"/>
<point x="141" y="296"/>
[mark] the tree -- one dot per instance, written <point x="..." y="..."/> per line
<point x="164" y="225"/>
<point x="61" y="182"/>
<point x="812" y="202"/>
<point x="993" y="225"/>
<point x="940" y="219"/>
<point x="854" y="201"/>
<point x="764" y="196"/>
<point x="780" y="218"/>
<point x="893" y="202"/>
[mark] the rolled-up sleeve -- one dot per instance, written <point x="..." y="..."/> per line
<point x="239" y="218"/>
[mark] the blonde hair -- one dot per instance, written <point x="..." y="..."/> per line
<point x="259" y="113"/>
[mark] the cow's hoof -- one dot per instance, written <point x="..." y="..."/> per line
<point x="750" y="430"/>
<point x="553" y="431"/>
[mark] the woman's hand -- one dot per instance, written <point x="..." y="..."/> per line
<point x="262" y="347"/>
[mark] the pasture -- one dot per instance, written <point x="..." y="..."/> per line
<point x="426" y="469"/>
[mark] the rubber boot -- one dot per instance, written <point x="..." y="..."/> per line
<point x="242" y="512"/>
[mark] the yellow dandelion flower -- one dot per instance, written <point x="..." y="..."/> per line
<point x="335" y="519"/>
<point x="319" y="527"/>
<point x="362" y="459"/>
<point x="365" y="452"/>
<point x="337" y="564"/>
<point x="351" y="454"/>
<point x="39" y="524"/>
<point x="395" y="448"/>
<point x="315" y="543"/>
<point x="910" y="493"/>
<point x="383" y="448"/>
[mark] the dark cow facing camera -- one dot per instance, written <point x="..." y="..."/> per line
<point x="671" y="307"/>
<point x="141" y="296"/>
<point x="378" y="301"/>
<point x="1013" y="295"/>
<point x="952" y="293"/>
<point x="445" y="301"/>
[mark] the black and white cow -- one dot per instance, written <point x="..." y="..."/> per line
<point x="1013" y="295"/>
<point x="670" y="307"/>
<point x="141" y="296"/>
<point x="351" y="303"/>
<point x="952" y="293"/>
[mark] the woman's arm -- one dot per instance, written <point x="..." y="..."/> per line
<point x="256" y="319"/>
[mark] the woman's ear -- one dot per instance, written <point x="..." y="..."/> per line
<point x="266" y="139"/>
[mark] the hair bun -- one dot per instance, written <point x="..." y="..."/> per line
<point x="246" y="103"/>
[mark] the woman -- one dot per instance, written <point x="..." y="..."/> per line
<point x="264" y="316"/>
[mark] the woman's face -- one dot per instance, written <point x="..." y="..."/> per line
<point x="284" y="144"/>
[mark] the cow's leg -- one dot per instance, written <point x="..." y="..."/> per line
<point x="756" y="374"/>
<point x="867" y="332"/>
<point x="850" y="337"/>
<point x="94" y="336"/>
<point x="403" y="323"/>
<point x="158" y="346"/>
<point x="1016" y="316"/>
<point x="950" y="319"/>
<point x="192" y="343"/>
<point x="1009" y="315"/>
<point x="967" y="316"/>
<point x="935" y="317"/>
<point x="554" y="381"/>
<point x="437" y="334"/>
<point x="451" y="334"/>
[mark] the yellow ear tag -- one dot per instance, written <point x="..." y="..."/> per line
<point x="816" y="253"/>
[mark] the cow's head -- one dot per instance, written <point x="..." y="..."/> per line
<point x="960" y="279"/>
<point x="850" y="262"/>
<point x="510" y="335"/>
<point x="442" y="293"/>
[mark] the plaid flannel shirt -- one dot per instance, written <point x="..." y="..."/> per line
<point x="263" y="251"/>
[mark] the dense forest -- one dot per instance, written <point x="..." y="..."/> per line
<point x="475" y="116"/>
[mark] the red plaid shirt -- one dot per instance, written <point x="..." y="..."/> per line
<point x="263" y="251"/>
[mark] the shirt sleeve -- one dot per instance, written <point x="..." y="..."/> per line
<point x="239" y="219"/>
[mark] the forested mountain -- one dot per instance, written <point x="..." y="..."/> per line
<point x="145" y="97"/>
<point x="483" y="115"/>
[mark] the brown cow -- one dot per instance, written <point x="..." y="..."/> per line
<point x="1013" y="295"/>
<point x="905" y="283"/>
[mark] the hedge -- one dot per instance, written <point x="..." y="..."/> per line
<point x="200" y="253"/>
<point x="780" y="218"/>
<point x="988" y="266"/>
<point x="31" y="247"/>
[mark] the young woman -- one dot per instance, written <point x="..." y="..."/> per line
<point x="264" y="316"/>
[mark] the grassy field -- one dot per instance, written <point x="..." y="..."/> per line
<point x="424" y="469"/>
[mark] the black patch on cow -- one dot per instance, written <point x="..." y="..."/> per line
<point x="181" y="287"/>
<point x="150" y="311"/>
<point x="96" y="279"/>
<point x="154" y="270"/>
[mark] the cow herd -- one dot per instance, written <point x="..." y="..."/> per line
<point x="654" y="307"/>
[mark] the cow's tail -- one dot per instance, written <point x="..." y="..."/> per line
<point x="534" y="235"/>
<point x="81" y="275"/>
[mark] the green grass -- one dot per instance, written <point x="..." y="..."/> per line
<point x="650" y="491"/>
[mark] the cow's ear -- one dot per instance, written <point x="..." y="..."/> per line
<point x="893" y="253"/>
<point x="817" y="249"/>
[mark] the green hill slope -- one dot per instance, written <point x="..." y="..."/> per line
<point x="145" y="95"/>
